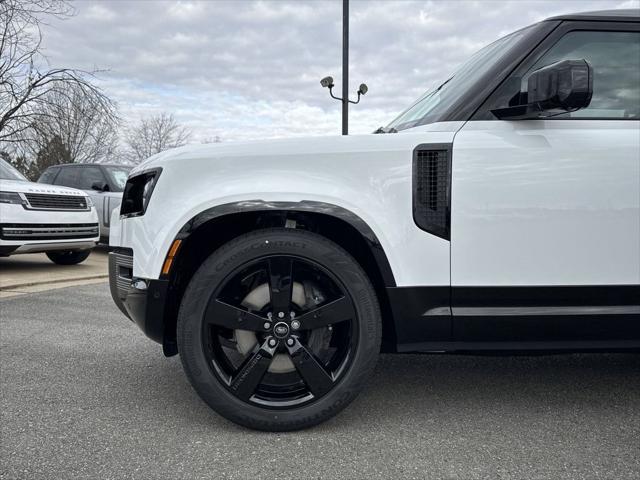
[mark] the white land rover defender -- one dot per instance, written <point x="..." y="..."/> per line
<point x="501" y="211"/>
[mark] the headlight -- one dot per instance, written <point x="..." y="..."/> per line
<point x="11" y="197"/>
<point x="137" y="193"/>
<point x="89" y="202"/>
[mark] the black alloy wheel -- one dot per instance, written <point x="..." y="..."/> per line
<point x="278" y="329"/>
<point x="311" y="335"/>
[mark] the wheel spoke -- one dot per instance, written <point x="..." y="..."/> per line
<point x="228" y="316"/>
<point x="245" y="363"/>
<point x="246" y="381"/>
<point x="280" y="283"/>
<point x="333" y="312"/>
<point x="313" y="374"/>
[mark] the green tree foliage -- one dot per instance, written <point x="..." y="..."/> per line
<point x="54" y="152"/>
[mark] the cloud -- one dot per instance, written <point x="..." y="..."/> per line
<point x="245" y="70"/>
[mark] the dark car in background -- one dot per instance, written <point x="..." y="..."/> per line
<point x="103" y="182"/>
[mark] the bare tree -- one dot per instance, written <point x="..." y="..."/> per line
<point x="27" y="83"/>
<point x="214" y="139"/>
<point x="80" y="123"/>
<point x="153" y="135"/>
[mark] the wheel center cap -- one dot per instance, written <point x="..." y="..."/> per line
<point x="281" y="330"/>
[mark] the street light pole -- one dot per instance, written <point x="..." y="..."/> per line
<point x="345" y="67"/>
<point x="327" y="82"/>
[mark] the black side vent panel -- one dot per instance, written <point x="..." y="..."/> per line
<point x="432" y="189"/>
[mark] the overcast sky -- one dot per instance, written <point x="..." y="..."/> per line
<point x="246" y="70"/>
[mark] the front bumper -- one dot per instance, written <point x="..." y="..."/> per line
<point x="35" y="231"/>
<point x="7" y="248"/>
<point x="37" y="238"/>
<point x="141" y="300"/>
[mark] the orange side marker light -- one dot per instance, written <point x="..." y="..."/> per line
<point x="166" y="268"/>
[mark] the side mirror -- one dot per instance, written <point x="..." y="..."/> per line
<point x="561" y="87"/>
<point x="566" y="85"/>
<point x="100" y="186"/>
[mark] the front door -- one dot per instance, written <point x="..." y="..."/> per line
<point x="545" y="227"/>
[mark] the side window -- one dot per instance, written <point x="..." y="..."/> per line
<point x="615" y="60"/>
<point x="89" y="176"/>
<point x="68" y="177"/>
<point x="48" y="176"/>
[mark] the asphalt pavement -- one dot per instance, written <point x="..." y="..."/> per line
<point x="83" y="394"/>
<point x="34" y="272"/>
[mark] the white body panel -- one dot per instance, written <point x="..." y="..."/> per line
<point x="13" y="213"/>
<point x="534" y="203"/>
<point x="553" y="202"/>
<point x="369" y="175"/>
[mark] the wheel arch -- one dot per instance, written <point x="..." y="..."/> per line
<point x="210" y="229"/>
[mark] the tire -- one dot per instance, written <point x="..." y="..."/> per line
<point x="72" y="257"/>
<point x="305" y="253"/>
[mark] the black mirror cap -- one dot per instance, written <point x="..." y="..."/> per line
<point x="565" y="85"/>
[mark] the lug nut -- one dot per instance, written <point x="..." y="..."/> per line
<point x="269" y="315"/>
<point x="290" y="342"/>
<point x="295" y="324"/>
<point x="281" y="315"/>
<point x="292" y="314"/>
<point x="272" y="342"/>
<point x="267" y="325"/>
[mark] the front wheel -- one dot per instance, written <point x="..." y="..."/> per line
<point x="69" y="258"/>
<point x="279" y="330"/>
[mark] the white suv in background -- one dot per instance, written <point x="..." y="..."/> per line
<point x="104" y="183"/>
<point x="61" y="222"/>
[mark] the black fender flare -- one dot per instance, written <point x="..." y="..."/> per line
<point x="305" y="206"/>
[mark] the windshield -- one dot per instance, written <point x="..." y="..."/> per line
<point x="118" y="176"/>
<point x="435" y="101"/>
<point x="7" y="172"/>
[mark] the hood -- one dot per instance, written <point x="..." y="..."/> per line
<point x="250" y="148"/>
<point x="299" y="146"/>
<point x="32" y="187"/>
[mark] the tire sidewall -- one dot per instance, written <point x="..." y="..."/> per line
<point x="239" y="252"/>
<point x="72" y="257"/>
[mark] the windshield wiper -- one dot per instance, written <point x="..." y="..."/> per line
<point x="443" y="84"/>
<point x="386" y="130"/>
<point x="414" y="123"/>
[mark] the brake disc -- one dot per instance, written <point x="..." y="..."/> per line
<point x="246" y="340"/>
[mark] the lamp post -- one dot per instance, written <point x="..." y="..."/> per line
<point x="345" y="67"/>
<point x="328" y="81"/>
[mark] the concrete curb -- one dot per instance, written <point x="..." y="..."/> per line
<point x="47" y="287"/>
<point x="53" y="282"/>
